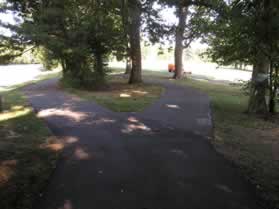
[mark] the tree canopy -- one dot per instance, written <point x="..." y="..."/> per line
<point x="81" y="34"/>
<point x="247" y="31"/>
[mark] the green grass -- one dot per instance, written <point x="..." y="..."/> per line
<point x="120" y="96"/>
<point x="28" y="152"/>
<point x="251" y="142"/>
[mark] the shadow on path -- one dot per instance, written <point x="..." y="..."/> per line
<point x="157" y="159"/>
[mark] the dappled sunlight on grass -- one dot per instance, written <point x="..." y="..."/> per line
<point x="14" y="113"/>
<point x="125" y="95"/>
<point x="24" y="139"/>
<point x="122" y="97"/>
<point x="52" y="143"/>
<point x="28" y="152"/>
<point x="7" y="169"/>
<point x="140" y="92"/>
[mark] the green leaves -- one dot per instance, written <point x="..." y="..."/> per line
<point x="73" y="32"/>
<point x="246" y="27"/>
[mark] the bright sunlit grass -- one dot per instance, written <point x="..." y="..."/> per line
<point x="14" y="113"/>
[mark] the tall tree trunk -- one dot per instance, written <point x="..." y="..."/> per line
<point x="272" y="93"/>
<point x="273" y="86"/>
<point x="1" y="104"/>
<point x="125" y="23"/>
<point x="259" y="83"/>
<point x="100" y="69"/>
<point x="179" y="39"/>
<point x="134" y="36"/>
<point x="128" y="66"/>
<point x="64" y="67"/>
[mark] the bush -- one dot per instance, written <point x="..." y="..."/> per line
<point x="46" y="58"/>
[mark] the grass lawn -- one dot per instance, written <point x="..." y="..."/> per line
<point x="119" y="96"/>
<point x="252" y="143"/>
<point x="28" y="152"/>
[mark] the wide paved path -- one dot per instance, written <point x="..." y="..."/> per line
<point x="157" y="159"/>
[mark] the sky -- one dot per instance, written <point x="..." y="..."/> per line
<point x="8" y="17"/>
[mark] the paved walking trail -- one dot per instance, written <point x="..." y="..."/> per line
<point x="157" y="159"/>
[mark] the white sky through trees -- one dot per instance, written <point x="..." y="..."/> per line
<point x="167" y="14"/>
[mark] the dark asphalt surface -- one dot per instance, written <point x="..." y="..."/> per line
<point x="157" y="159"/>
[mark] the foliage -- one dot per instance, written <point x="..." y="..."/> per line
<point x="243" y="29"/>
<point x="45" y="57"/>
<point x="248" y="32"/>
<point x="197" y="19"/>
<point x="78" y="34"/>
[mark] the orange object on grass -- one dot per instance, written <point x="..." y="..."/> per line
<point x="171" y="68"/>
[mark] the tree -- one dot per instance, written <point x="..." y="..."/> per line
<point x="142" y="13"/>
<point x="191" y="15"/>
<point x="134" y="12"/>
<point x="125" y="25"/>
<point x="1" y="104"/>
<point x="80" y="34"/>
<point x="182" y="13"/>
<point x="248" y="32"/>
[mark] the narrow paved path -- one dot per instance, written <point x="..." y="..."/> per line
<point x="157" y="159"/>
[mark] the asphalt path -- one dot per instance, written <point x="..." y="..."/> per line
<point x="160" y="158"/>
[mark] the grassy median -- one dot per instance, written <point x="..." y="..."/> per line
<point x="119" y="96"/>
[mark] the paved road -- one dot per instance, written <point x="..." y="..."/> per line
<point x="157" y="159"/>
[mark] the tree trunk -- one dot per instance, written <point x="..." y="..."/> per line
<point x="259" y="83"/>
<point x="235" y="66"/>
<point x="99" y="69"/>
<point x="273" y="85"/>
<point x="1" y="104"/>
<point x="128" y="66"/>
<point x="179" y="38"/>
<point x="64" y="67"/>
<point x="134" y="36"/>
<point x="271" y="90"/>
<point x="125" y="24"/>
